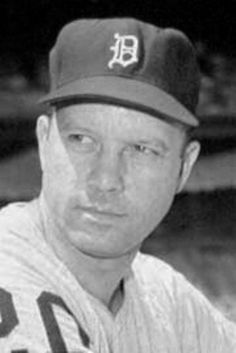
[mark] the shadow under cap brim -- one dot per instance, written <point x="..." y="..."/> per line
<point x="122" y="91"/>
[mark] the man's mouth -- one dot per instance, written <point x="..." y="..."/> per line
<point x="105" y="215"/>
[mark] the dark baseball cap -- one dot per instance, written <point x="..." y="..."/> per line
<point x="127" y="62"/>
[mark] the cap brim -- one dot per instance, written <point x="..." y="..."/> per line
<point x="127" y="92"/>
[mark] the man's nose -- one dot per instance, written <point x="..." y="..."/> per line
<point x="106" y="173"/>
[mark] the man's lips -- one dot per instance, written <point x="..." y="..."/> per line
<point x="102" y="213"/>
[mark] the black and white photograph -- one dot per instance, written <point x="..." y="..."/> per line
<point x="117" y="176"/>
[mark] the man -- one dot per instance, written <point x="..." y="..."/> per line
<point x="114" y="150"/>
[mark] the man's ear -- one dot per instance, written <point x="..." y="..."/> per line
<point x="42" y="133"/>
<point x="190" y="156"/>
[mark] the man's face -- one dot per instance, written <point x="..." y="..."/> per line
<point x="109" y="175"/>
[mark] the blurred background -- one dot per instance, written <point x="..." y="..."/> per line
<point x="198" y="236"/>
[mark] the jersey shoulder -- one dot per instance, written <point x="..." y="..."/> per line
<point x="152" y="271"/>
<point x="24" y="255"/>
<point x="36" y="291"/>
<point x="14" y="219"/>
<point x="162" y="285"/>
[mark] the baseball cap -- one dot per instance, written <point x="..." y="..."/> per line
<point x="127" y="62"/>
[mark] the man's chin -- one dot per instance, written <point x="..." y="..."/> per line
<point x="110" y="254"/>
<point x="101" y="245"/>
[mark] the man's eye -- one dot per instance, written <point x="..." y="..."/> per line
<point x="81" y="139"/>
<point x="82" y="142"/>
<point x="142" y="149"/>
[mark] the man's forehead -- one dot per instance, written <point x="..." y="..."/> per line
<point x="98" y="111"/>
<point x="109" y="117"/>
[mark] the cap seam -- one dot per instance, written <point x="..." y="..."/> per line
<point x="129" y="77"/>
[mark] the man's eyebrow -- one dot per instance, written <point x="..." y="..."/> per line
<point x="68" y="125"/>
<point x="79" y="128"/>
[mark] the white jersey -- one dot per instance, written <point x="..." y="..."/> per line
<point x="43" y="308"/>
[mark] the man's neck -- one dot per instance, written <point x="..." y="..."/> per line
<point x="101" y="277"/>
